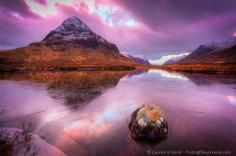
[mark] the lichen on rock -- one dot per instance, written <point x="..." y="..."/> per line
<point x="148" y="122"/>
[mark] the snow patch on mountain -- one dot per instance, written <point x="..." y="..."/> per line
<point x="223" y="44"/>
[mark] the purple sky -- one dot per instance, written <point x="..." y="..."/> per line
<point x="148" y="28"/>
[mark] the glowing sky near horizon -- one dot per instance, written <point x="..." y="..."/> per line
<point x="165" y="58"/>
<point x="150" y="29"/>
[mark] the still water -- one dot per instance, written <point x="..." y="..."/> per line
<point x="87" y="113"/>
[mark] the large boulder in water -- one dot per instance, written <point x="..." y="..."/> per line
<point x="148" y="122"/>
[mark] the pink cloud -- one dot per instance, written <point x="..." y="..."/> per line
<point x="42" y="2"/>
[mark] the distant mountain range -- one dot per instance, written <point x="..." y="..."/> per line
<point x="209" y="58"/>
<point x="72" y="45"/>
<point x="139" y="60"/>
<point x="224" y="52"/>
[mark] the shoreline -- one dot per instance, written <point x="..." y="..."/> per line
<point x="79" y="68"/>
<point x="206" y="68"/>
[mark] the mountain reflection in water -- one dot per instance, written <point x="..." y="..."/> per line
<point x="75" y="88"/>
<point x="199" y="108"/>
<point x="208" y="79"/>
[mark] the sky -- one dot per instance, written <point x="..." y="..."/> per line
<point x="146" y="28"/>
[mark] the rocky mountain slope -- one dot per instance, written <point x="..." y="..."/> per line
<point x="210" y="58"/>
<point x="224" y="52"/>
<point x="72" y="45"/>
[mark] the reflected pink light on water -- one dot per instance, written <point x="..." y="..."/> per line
<point x="101" y="119"/>
<point x="232" y="99"/>
<point x="86" y="129"/>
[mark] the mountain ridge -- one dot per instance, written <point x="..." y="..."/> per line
<point x="213" y="53"/>
<point x="139" y="60"/>
<point x="210" y="58"/>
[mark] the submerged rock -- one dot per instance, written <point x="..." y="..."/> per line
<point x="148" y="122"/>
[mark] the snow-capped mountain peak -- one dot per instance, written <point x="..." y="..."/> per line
<point x="73" y="25"/>
<point x="73" y="32"/>
<point x="223" y="44"/>
<point x="74" y="29"/>
<point x="75" y="21"/>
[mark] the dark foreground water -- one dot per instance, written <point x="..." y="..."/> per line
<point x="87" y="113"/>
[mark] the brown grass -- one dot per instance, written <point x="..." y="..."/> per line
<point x="43" y="57"/>
<point x="209" y="68"/>
<point x="12" y="143"/>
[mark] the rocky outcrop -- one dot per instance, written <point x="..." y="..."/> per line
<point x="148" y="123"/>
